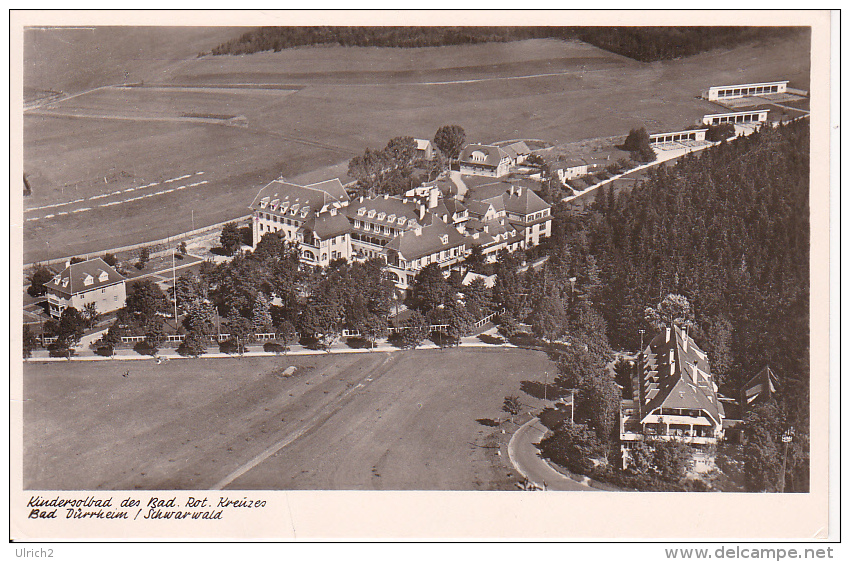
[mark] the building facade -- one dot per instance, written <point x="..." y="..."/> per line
<point x="674" y="397"/>
<point x="678" y="136"/>
<point x="754" y="117"/>
<point x="715" y="93"/>
<point x="308" y="216"/>
<point x="80" y="284"/>
<point x="484" y="160"/>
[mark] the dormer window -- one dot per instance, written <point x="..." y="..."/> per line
<point x="371" y="214"/>
<point x="391" y="218"/>
<point x="381" y="216"/>
<point x="264" y="202"/>
<point x="89" y="280"/>
<point x="401" y="221"/>
<point x="361" y="211"/>
<point x="444" y="239"/>
<point x="65" y="282"/>
<point x="274" y="204"/>
<point x="304" y="212"/>
<point x="103" y="277"/>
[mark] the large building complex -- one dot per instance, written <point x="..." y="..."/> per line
<point x="715" y="93"/>
<point x="84" y="283"/>
<point x="423" y="227"/>
<point x="674" y="397"/>
<point x="484" y="160"/>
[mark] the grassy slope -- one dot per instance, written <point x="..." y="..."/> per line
<point x="188" y="424"/>
<point x="601" y="95"/>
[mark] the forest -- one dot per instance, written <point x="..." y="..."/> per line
<point x="729" y="231"/>
<point x="646" y="44"/>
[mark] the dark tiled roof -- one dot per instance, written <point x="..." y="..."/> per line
<point x="519" y="148"/>
<point x="72" y="279"/>
<point x="429" y="241"/>
<point x="524" y="202"/>
<point x="333" y="188"/>
<point x="327" y="225"/>
<point x="680" y="387"/>
<point x="390" y="209"/>
<point x="281" y="193"/>
<point x="492" y="155"/>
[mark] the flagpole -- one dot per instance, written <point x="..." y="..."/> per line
<point x="174" y="282"/>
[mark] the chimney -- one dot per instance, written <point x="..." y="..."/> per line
<point x="433" y="198"/>
<point x="361" y="198"/>
<point x="519" y="190"/>
<point x="417" y="231"/>
<point x="666" y="335"/>
<point x="421" y="212"/>
<point x="333" y="211"/>
<point x="512" y="190"/>
<point x="67" y="264"/>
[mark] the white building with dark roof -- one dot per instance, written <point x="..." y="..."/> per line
<point x="484" y="160"/>
<point x="518" y="206"/>
<point x="674" y="397"/>
<point x="80" y="284"/>
<point x="308" y="216"/>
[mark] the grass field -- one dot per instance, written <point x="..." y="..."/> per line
<point x="405" y="420"/>
<point x="350" y="98"/>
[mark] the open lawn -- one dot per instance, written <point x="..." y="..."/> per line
<point x="403" y="420"/>
<point x="349" y="99"/>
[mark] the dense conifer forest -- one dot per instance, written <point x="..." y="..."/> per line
<point x="728" y="230"/>
<point x="645" y="44"/>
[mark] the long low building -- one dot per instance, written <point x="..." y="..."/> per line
<point x="716" y="93"/>
<point x="694" y="135"/>
<point x="740" y="117"/>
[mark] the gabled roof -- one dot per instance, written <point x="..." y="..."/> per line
<point x="454" y="206"/>
<point x="72" y="279"/>
<point x="478" y="208"/>
<point x="422" y="144"/>
<point x="687" y="385"/>
<point x="519" y="148"/>
<point x="286" y="194"/>
<point x="570" y="163"/>
<point x="391" y="206"/>
<point x="524" y="201"/>
<point x="760" y="387"/>
<point x="328" y="224"/>
<point x="333" y="187"/>
<point x="492" y="155"/>
<point x="412" y="246"/>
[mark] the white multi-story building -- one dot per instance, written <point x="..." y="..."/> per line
<point x="83" y="283"/>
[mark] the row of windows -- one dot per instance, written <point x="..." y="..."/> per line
<point x="366" y="226"/>
<point x="755" y="90"/>
<point x="275" y="218"/>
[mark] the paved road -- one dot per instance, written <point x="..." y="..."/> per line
<point x="526" y="460"/>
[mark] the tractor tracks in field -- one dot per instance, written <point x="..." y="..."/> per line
<point x="315" y="421"/>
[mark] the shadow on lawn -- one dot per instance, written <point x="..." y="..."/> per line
<point x="538" y="390"/>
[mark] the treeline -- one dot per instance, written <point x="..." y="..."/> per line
<point x="728" y="230"/>
<point x="640" y="43"/>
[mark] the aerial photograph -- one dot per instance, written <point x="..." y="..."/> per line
<point x="416" y="258"/>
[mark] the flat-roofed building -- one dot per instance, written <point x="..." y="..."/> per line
<point x="678" y="136"/>
<point x="715" y="93"/>
<point x="753" y="117"/>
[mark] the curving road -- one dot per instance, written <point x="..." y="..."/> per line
<point x="529" y="464"/>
